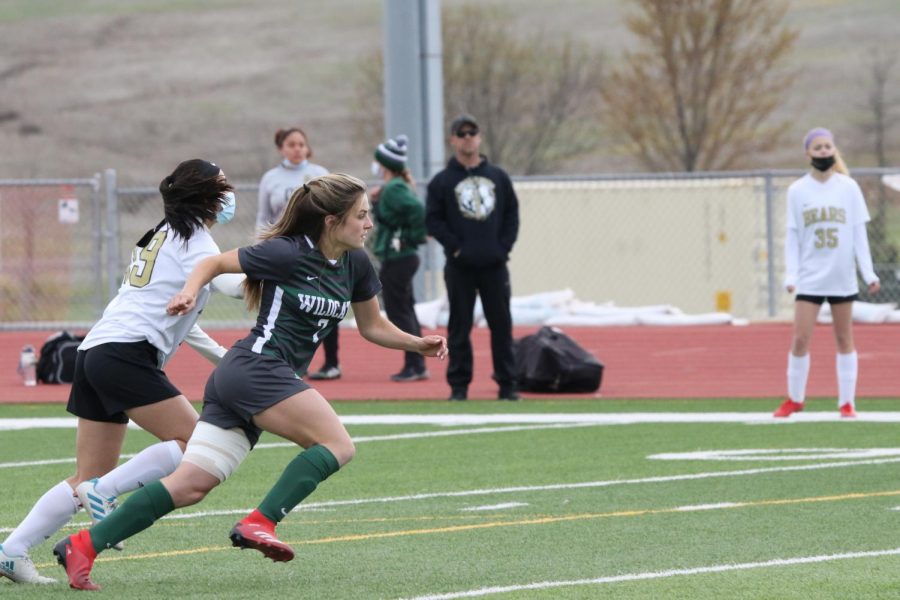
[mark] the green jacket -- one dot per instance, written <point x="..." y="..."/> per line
<point x="399" y="221"/>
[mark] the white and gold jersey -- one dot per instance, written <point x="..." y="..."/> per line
<point x="826" y="216"/>
<point x="156" y="273"/>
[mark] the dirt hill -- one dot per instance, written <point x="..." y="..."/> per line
<point x="138" y="86"/>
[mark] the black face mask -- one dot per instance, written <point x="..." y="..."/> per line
<point x="822" y="163"/>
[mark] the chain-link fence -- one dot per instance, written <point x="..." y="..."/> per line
<point x="51" y="242"/>
<point x="701" y="242"/>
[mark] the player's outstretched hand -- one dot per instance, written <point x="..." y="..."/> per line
<point x="181" y="304"/>
<point x="434" y="345"/>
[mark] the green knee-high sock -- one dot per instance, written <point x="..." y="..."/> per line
<point x="299" y="480"/>
<point x="137" y="513"/>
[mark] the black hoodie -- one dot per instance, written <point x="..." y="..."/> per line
<point x="474" y="211"/>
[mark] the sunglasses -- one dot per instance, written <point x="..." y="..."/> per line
<point x="467" y="133"/>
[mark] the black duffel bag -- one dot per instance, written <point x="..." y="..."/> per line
<point x="56" y="363"/>
<point x="551" y="361"/>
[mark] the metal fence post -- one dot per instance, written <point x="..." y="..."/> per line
<point x="770" y="240"/>
<point x="97" y="235"/>
<point x="111" y="233"/>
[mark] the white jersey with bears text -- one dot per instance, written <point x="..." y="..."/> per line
<point x="825" y="216"/>
<point x="156" y="273"/>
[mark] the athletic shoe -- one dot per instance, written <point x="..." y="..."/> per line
<point x="260" y="537"/>
<point x="76" y="555"/>
<point x="787" y="408"/>
<point x="508" y="394"/>
<point x="326" y="373"/>
<point x="20" y="569"/>
<point x="457" y="394"/>
<point x="847" y="411"/>
<point x="410" y="375"/>
<point x="96" y="505"/>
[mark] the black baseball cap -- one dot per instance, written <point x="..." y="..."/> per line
<point x="460" y="120"/>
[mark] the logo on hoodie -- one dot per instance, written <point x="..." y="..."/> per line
<point x="476" y="198"/>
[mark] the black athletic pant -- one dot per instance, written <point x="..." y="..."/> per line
<point x="492" y="284"/>
<point x="330" y="344"/>
<point x="399" y="303"/>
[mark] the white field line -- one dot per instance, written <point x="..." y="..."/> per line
<point x="489" y="491"/>
<point x="777" y="454"/>
<point x="500" y="506"/>
<point x="449" y="432"/>
<point x="715" y="506"/>
<point x="543" y="585"/>
<point x="328" y="505"/>
<point x="356" y="440"/>
<point x="529" y="418"/>
<point x="544" y="488"/>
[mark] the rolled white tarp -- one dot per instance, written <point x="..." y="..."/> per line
<point x="564" y="320"/>
<point x="715" y="318"/>
<point x="863" y="312"/>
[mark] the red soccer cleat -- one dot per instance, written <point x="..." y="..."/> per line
<point x="847" y="411"/>
<point x="787" y="408"/>
<point x="260" y="536"/>
<point x="76" y="554"/>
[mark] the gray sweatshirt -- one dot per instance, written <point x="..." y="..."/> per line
<point x="276" y="187"/>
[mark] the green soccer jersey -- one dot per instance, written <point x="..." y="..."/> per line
<point x="304" y="295"/>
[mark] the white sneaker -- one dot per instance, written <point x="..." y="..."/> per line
<point x="96" y="505"/>
<point x="20" y="569"/>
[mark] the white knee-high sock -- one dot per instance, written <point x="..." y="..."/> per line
<point x="847" y="368"/>
<point x="797" y="374"/>
<point x="148" y="465"/>
<point x="52" y="510"/>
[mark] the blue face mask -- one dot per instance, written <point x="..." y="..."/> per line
<point x="227" y="212"/>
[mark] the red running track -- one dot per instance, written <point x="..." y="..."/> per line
<point x="640" y="362"/>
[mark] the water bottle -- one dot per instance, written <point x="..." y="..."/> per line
<point x="28" y="366"/>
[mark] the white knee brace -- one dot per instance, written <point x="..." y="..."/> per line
<point x="217" y="451"/>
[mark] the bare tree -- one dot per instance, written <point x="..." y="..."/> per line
<point x="367" y="102"/>
<point x="882" y="104"/>
<point x="698" y="90"/>
<point x="534" y="99"/>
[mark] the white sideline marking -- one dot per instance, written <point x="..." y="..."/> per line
<point x="495" y="506"/>
<point x="778" y="454"/>
<point x="529" y="418"/>
<point x="543" y="585"/>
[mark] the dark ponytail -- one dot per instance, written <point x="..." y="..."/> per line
<point x="192" y="195"/>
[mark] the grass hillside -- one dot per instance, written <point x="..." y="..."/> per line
<point x="138" y="85"/>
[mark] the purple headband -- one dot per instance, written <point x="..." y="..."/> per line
<point x="814" y="133"/>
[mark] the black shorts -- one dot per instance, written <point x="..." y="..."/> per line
<point x="244" y="384"/>
<point x="831" y="299"/>
<point x="114" y="377"/>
